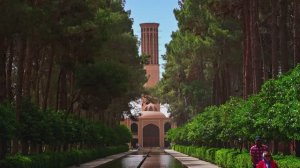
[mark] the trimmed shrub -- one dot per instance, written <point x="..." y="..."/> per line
<point x="243" y="160"/>
<point x="210" y="154"/>
<point x="221" y="158"/>
<point x="287" y="161"/>
<point x="59" y="160"/>
<point x="232" y="158"/>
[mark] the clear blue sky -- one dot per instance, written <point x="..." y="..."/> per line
<point x="159" y="11"/>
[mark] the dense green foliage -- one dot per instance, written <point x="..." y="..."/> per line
<point x="59" y="160"/>
<point x="273" y="114"/>
<point x="232" y="158"/>
<point x="8" y="122"/>
<point x="56" y="129"/>
<point x="68" y="70"/>
<point x="203" y="61"/>
<point x="76" y="56"/>
<point x="226" y="48"/>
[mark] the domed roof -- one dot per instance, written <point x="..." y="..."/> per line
<point x="152" y="114"/>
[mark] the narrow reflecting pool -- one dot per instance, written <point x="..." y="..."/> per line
<point x="155" y="160"/>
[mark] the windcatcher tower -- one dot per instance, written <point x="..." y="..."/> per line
<point x="149" y="42"/>
<point x="152" y="125"/>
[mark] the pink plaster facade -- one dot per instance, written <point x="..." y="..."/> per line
<point x="155" y="118"/>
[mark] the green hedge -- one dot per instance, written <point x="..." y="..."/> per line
<point x="273" y="113"/>
<point x="228" y="158"/>
<point x="232" y="158"/>
<point x="59" y="160"/>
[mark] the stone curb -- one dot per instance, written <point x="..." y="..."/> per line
<point x="101" y="161"/>
<point x="189" y="161"/>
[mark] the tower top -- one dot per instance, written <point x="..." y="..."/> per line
<point x="149" y="24"/>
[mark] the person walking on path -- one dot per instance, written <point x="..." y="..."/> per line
<point x="257" y="150"/>
<point x="267" y="161"/>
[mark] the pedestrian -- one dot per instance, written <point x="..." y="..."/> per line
<point x="257" y="150"/>
<point x="267" y="161"/>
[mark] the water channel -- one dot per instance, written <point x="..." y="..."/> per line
<point x="154" y="160"/>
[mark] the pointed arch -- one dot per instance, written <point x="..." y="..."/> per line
<point x="151" y="136"/>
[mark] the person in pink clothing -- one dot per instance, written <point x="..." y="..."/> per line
<point x="257" y="150"/>
<point x="267" y="161"/>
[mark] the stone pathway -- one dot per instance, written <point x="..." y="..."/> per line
<point x="189" y="161"/>
<point x="102" y="161"/>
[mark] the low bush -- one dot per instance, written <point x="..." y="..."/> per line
<point x="232" y="158"/>
<point x="59" y="160"/>
<point x="287" y="161"/>
<point x="243" y="160"/>
<point x="210" y="154"/>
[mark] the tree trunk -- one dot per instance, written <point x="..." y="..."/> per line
<point x="274" y="37"/>
<point x="227" y="85"/>
<point x="19" y="85"/>
<point x="255" y="52"/>
<point x="216" y="86"/>
<point x="283" y="32"/>
<point x="51" y="59"/>
<point x="247" y="60"/>
<point x="28" y="68"/>
<point x="20" y="73"/>
<point x="296" y="32"/>
<point x="62" y="90"/>
<point x="37" y="78"/>
<point x="275" y="146"/>
<point x="9" y="71"/>
<point x="25" y="148"/>
<point x="3" y="51"/>
<point x="34" y="148"/>
<point x="297" y="150"/>
<point x="74" y="94"/>
<point x="215" y="90"/>
<point x="2" y="154"/>
<point x="287" y="147"/>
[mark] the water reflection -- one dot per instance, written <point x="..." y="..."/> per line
<point x="155" y="160"/>
<point x="162" y="161"/>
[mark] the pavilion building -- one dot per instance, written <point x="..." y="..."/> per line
<point x="152" y="125"/>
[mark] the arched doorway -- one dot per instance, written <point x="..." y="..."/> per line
<point x="151" y="136"/>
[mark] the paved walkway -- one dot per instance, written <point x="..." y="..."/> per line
<point x="102" y="161"/>
<point x="189" y="161"/>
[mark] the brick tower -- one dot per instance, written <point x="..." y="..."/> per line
<point x="152" y="125"/>
<point x="149" y="45"/>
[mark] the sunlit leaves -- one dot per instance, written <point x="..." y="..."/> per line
<point x="273" y="113"/>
